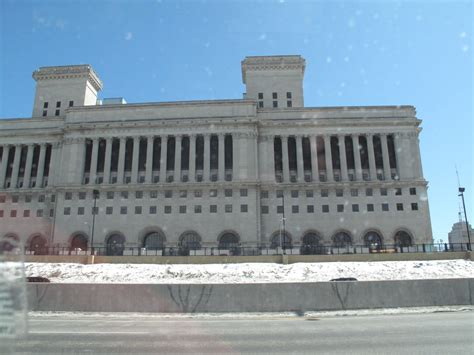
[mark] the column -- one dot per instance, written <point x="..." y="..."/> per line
<point x="343" y="157"/>
<point x="95" y="152"/>
<point x="328" y="155"/>
<point x="135" y="156"/>
<point x="358" y="164"/>
<point x="28" y="165"/>
<point x="16" y="166"/>
<point x="221" y="157"/>
<point x="299" y="158"/>
<point x="235" y="157"/>
<point x="3" y="169"/>
<point x="370" y="149"/>
<point x="40" y="171"/>
<point x="285" y="160"/>
<point x="177" y="158"/>
<point x="53" y="163"/>
<point x="164" y="147"/>
<point x="266" y="158"/>
<point x="149" y="159"/>
<point x="192" y="158"/>
<point x="121" y="160"/>
<point x="396" y="143"/>
<point x="207" y="157"/>
<point x="108" y="158"/>
<point x="386" y="159"/>
<point x="314" y="158"/>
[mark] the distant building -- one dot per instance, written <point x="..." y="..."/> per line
<point x="207" y="173"/>
<point x="458" y="233"/>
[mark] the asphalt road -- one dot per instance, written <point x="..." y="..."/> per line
<point x="433" y="333"/>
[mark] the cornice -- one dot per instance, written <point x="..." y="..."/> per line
<point x="69" y="72"/>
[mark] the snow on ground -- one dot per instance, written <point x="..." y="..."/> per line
<point x="249" y="272"/>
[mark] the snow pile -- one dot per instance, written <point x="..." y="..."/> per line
<point x="249" y="272"/>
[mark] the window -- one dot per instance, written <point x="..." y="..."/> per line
<point x="294" y="193"/>
<point x="228" y="192"/>
<point x="13" y="213"/>
<point x="324" y="193"/>
<point x="309" y="193"/>
<point x="152" y="210"/>
<point x="58" y="104"/>
<point x="82" y="195"/>
<point x="279" y="193"/>
<point x="153" y="194"/>
<point x="197" y="193"/>
<point x="26" y="213"/>
<point x="264" y="209"/>
<point x="213" y="193"/>
<point x="339" y="192"/>
<point x="51" y="212"/>
<point x="123" y="210"/>
<point x="279" y="209"/>
<point x="67" y="211"/>
<point x="45" y="113"/>
<point x="39" y="213"/>
<point x="80" y="211"/>
<point x="182" y="209"/>
<point x="1" y="213"/>
<point x="45" y="105"/>
<point x="260" y="104"/>
<point x="244" y="208"/>
<point x="260" y="95"/>
<point x="53" y="198"/>
<point x="213" y="208"/>
<point x="138" y="209"/>
<point x="41" y="198"/>
<point x="244" y="192"/>
<point x="2" y="199"/>
<point x="414" y="206"/>
<point x="412" y="190"/>
<point x="197" y="209"/>
<point x="110" y="195"/>
<point x="288" y="95"/>
<point x="385" y="207"/>
<point x="109" y="210"/>
<point x="398" y="191"/>
<point x="167" y="209"/>
<point x="355" y="208"/>
<point x="264" y="194"/>
<point x="289" y="103"/>
<point x="124" y="194"/>
<point x="354" y="192"/>
<point x="383" y="191"/>
<point x="228" y="208"/>
<point x="369" y="192"/>
<point x="68" y="196"/>
<point x="370" y="207"/>
<point x="325" y="208"/>
<point x="138" y="195"/>
<point x="399" y="206"/>
<point x="310" y="209"/>
<point x="71" y="103"/>
<point x="340" y="208"/>
<point x="295" y="209"/>
<point x="15" y="198"/>
<point x="27" y="198"/>
<point x="183" y="193"/>
<point x="275" y="104"/>
<point x="274" y="96"/>
<point x="56" y="113"/>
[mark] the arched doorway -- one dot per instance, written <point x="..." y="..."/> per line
<point x="341" y="240"/>
<point x="154" y="241"/>
<point x="230" y="241"/>
<point x="38" y="245"/>
<point x="311" y="244"/>
<point x="115" y="245"/>
<point x="286" y="241"/>
<point x="9" y="243"/>
<point x="402" y="239"/>
<point x="190" y="240"/>
<point x="373" y="240"/>
<point x="79" y="243"/>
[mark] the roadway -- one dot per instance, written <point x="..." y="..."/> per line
<point x="432" y="333"/>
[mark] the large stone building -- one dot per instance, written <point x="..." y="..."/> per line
<point x="203" y="173"/>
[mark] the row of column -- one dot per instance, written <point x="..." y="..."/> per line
<point x="329" y="168"/>
<point x="16" y="164"/>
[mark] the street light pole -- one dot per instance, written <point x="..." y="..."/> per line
<point x="461" y="190"/>
<point x="95" y="194"/>
<point x="283" y="219"/>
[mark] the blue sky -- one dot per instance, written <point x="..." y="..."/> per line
<point x="358" y="53"/>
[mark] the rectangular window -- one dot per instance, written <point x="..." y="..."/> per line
<point x="80" y="211"/>
<point x="1" y="213"/>
<point x="264" y="209"/>
<point x="51" y="212"/>
<point x="53" y="198"/>
<point x="309" y="193"/>
<point x="294" y="193"/>
<point x="109" y="210"/>
<point x="288" y="95"/>
<point x="279" y="193"/>
<point x="260" y="95"/>
<point x="39" y="213"/>
<point x="27" y="198"/>
<point x="15" y="198"/>
<point x="152" y="210"/>
<point x="167" y="209"/>
<point x="339" y="192"/>
<point x="244" y="192"/>
<point x="183" y="193"/>
<point x="354" y="192"/>
<point x="228" y="208"/>
<point x="13" y="213"/>
<point x="228" y="192"/>
<point x="168" y="194"/>
<point x="398" y="191"/>
<point x="370" y="207"/>
<point x="123" y="210"/>
<point x="2" y="199"/>
<point x="399" y="206"/>
<point x="197" y="209"/>
<point x="289" y="103"/>
<point x="26" y="213"/>
<point x="340" y="208"/>
<point x="264" y="194"/>
<point x="71" y="103"/>
<point x="82" y="195"/>
<point x="56" y="113"/>
<point x="412" y="190"/>
<point x="260" y="104"/>
<point x="274" y="96"/>
<point x="138" y="195"/>
<point x="58" y="104"/>
<point x="414" y="207"/>
<point x="213" y="193"/>
<point x="138" y="209"/>
<point x="182" y="209"/>
<point x="295" y="209"/>
<point x="369" y="192"/>
<point x="110" y="195"/>
<point x="383" y="191"/>
<point x="41" y="198"/>
<point x="355" y="208"/>
<point x="324" y="193"/>
<point x="45" y="105"/>
<point x="124" y="194"/>
<point x="67" y="211"/>
<point x="275" y="104"/>
<point x="68" y="196"/>
<point x="279" y="209"/>
<point x="385" y="207"/>
<point x="325" y="208"/>
<point x="153" y="194"/>
<point x="45" y="113"/>
<point x="244" y="208"/>
<point x="310" y="209"/>
<point x="197" y="193"/>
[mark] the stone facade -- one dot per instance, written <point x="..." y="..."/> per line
<point x="339" y="175"/>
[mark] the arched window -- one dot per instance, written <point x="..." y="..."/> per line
<point x="373" y="240"/>
<point x="228" y="240"/>
<point x="115" y="245"/>
<point x="341" y="240"/>
<point x="402" y="239"/>
<point x="9" y="243"/>
<point x="154" y="241"/>
<point x="311" y="244"/>
<point x="190" y="241"/>
<point x="38" y="245"/>
<point x="79" y="241"/>
<point x="285" y="241"/>
<point x="311" y="239"/>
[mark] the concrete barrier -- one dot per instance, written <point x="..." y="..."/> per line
<point x="271" y="297"/>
